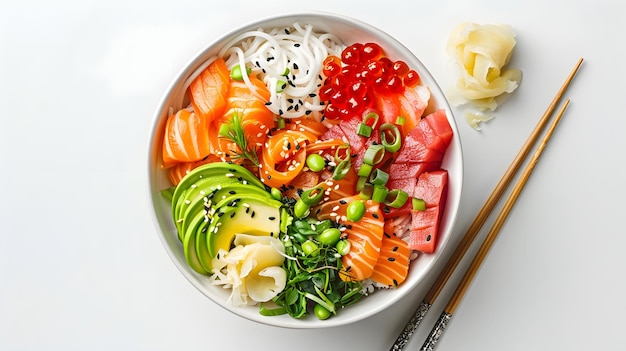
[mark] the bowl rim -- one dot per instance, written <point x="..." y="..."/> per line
<point x="452" y="204"/>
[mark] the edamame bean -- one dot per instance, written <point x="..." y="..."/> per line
<point x="300" y="209"/>
<point x="315" y="162"/>
<point x="329" y="236"/>
<point x="355" y="211"/>
<point x="343" y="247"/>
<point x="276" y="194"/>
<point x="310" y="248"/>
<point x="321" y="312"/>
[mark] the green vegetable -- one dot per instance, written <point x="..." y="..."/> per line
<point x="396" y="198"/>
<point x="233" y="130"/>
<point x="315" y="162"/>
<point x="235" y="72"/>
<point x="364" y="170"/>
<point x="321" y="312"/>
<point x="341" y="170"/>
<point x="343" y="247"/>
<point x="312" y="196"/>
<point x="280" y="85"/>
<point x="379" y="177"/>
<point x="374" y="154"/>
<point x="301" y="209"/>
<point x="418" y="204"/>
<point x="276" y="194"/>
<point x="310" y="248"/>
<point x="314" y="279"/>
<point x="390" y="137"/>
<point x="380" y="193"/>
<point x="355" y="211"/>
<point x="329" y="236"/>
<point x="364" y="130"/>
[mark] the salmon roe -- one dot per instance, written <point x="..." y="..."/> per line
<point x="358" y="76"/>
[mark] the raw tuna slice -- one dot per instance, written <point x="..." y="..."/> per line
<point x="432" y="187"/>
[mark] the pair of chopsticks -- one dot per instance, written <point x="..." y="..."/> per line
<point x="477" y="224"/>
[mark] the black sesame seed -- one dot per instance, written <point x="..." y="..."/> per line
<point x="252" y="215"/>
<point x="395" y="248"/>
<point x="290" y="108"/>
<point x="296" y="45"/>
<point x="428" y="238"/>
<point x="288" y="146"/>
<point x="295" y="65"/>
<point x="386" y="209"/>
<point x="247" y="209"/>
<point x="268" y="103"/>
<point x="232" y="170"/>
<point x="375" y="215"/>
<point x="395" y="282"/>
<point x="308" y="112"/>
<point x="318" y="211"/>
<point x="271" y="218"/>
<point x="220" y="214"/>
<point x="232" y="192"/>
<point x="349" y="226"/>
<point x="286" y="31"/>
<point x="387" y="235"/>
<point x="270" y="58"/>
<point x="390" y="259"/>
<point x="296" y="108"/>
<point x="232" y="214"/>
<point x="298" y="146"/>
<point x="269" y="177"/>
<point x="312" y="95"/>
<point x="280" y="111"/>
<point x="290" y="101"/>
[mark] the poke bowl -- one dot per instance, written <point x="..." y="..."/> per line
<point x="304" y="171"/>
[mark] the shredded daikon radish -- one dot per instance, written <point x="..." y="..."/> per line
<point x="289" y="61"/>
<point x="482" y="52"/>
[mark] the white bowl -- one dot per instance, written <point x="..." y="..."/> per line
<point x="349" y="31"/>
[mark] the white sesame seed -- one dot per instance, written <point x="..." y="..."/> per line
<point x="187" y="202"/>
<point x="229" y="175"/>
<point x="336" y="187"/>
<point x="333" y="214"/>
<point x="193" y="186"/>
<point x="335" y="208"/>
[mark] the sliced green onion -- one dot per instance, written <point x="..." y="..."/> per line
<point x="400" y="120"/>
<point x="365" y="170"/>
<point x="285" y="72"/>
<point x="364" y="130"/>
<point x="366" y="191"/>
<point x="235" y="72"/>
<point x="374" y="154"/>
<point x="224" y="130"/>
<point x="418" y="204"/>
<point x="341" y="170"/>
<point x="280" y="85"/>
<point x="313" y="196"/>
<point x="342" y="149"/>
<point x="371" y="119"/>
<point x="396" y="198"/>
<point x="380" y="193"/>
<point x="396" y="141"/>
<point x="379" y="177"/>
<point x="264" y="311"/>
<point x="280" y="123"/>
<point x="360" y="183"/>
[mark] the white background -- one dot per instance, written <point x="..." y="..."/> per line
<point x="81" y="267"/>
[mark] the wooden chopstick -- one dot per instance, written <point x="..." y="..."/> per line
<point x="437" y="331"/>
<point x="480" y="219"/>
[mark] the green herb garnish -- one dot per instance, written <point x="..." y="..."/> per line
<point x="233" y="130"/>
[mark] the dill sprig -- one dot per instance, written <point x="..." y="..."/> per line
<point x="233" y="130"/>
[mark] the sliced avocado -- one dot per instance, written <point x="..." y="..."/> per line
<point x="193" y="199"/>
<point x="189" y="246"/>
<point x="253" y="214"/>
<point x="215" y="169"/>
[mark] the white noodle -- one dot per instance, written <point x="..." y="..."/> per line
<point x="269" y="54"/>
